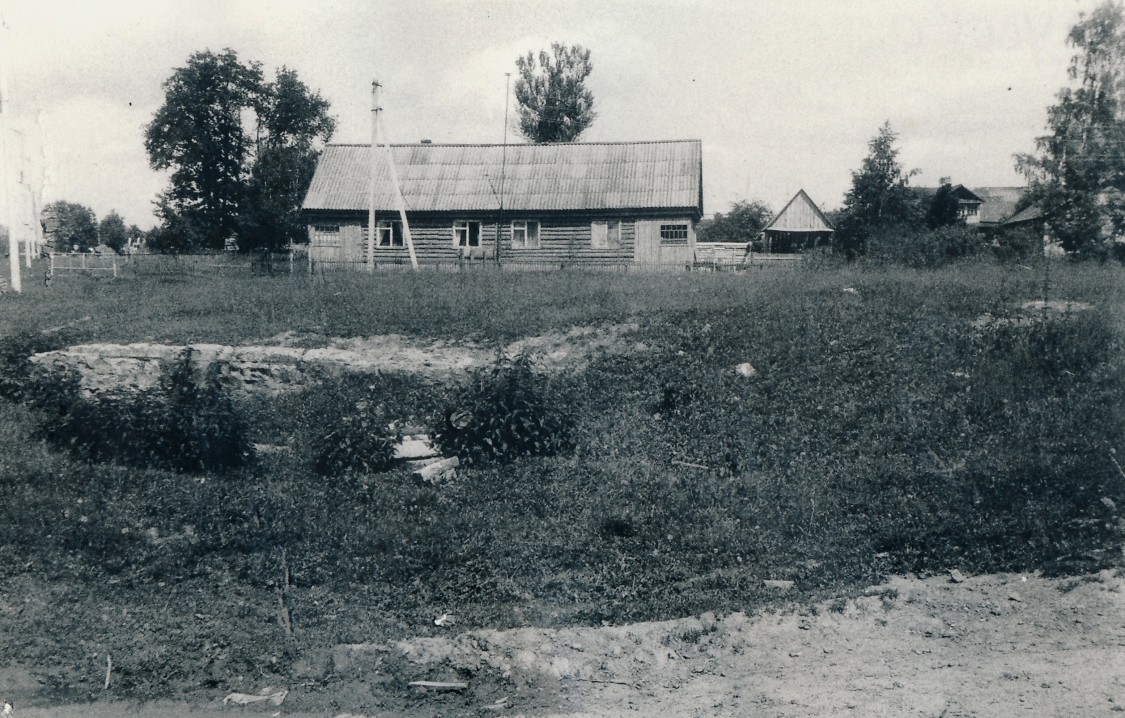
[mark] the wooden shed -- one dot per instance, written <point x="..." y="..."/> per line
<point x="603" y="204"/>
<point x="800" y="225"/>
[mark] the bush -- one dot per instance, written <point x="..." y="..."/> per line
<point x="16" y="351"/>
<point x="1017" y="244"/>
<point x="506" y="411"/>
<point x="361" y="441"/>
<point x="926" y="250"/>
<point x="183" y="425"/>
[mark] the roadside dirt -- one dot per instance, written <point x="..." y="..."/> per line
<point x="996" y="645"/>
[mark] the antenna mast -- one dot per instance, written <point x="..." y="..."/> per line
<point x="503" y="165"/>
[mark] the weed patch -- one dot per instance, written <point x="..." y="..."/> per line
<point x="505" y="412"/>
<point x="187" y="424"/>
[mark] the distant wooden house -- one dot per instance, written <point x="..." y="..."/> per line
<point x="1028" y="216"/>
<point x="800" y="225"/>
<point x="983" y="207"/>
<point x="998" y="205"/>
<point x="617" y="205"/>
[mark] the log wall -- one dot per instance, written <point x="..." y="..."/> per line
<point x="563" y="242"/>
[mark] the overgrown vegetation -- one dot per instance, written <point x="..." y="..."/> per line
<point x="186" y="424"/>
<point x="918" y="421"/>
<point x="506" y="412"/>
<point x="352" y="432"/>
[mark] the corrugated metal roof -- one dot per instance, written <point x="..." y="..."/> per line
<point x="545" y="177"/>
<point x="800" y="215"/>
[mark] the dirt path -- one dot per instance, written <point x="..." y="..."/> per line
<point x="999" y="645"/>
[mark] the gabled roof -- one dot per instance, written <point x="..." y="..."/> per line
<point x="964" y="194"/>
<point x="800" y="214"/>
<point x="544" y="177"/>
<point x="999" y="202"/>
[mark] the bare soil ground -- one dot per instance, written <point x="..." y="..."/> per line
<point x="995" y="645"/>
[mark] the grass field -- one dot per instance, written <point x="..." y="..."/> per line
<point x="888" y="429"/>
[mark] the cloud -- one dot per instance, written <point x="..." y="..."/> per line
<point x="101" y="165"/>
<point x="784" y="94"/>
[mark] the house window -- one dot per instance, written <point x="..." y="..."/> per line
<point x="390" y="234"/>
<point x="525" y="234"/>
<point x="326" y="228"/>
<point x="674" y="234"/>
<point x="466" y="234"/>
<point x="605" y="235"/>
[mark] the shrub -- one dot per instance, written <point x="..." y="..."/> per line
<point x="506" y="411"/>
<point x="16" y="351"/>
<point x="183" y="425"/>
<point x="926" y="250"/>
<point x="1017" y="244"/>
<point x="351" y="423"/>
<point x="361" y="441"/>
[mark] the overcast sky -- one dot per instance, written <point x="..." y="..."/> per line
<point x="784" y="94"/>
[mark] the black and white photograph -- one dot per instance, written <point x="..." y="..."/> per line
<point x="562" y="358"/>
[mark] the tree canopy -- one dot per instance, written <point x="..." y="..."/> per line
<point x="1078" y="174"/>
<point x="554" y="103"/>
<point x="944" y="207"/>
<point x="743" y="223"/>
<point x="77" y="226"/>
<point x="112" y="232"/>
<point x="293" y="123"/>
<point x="240" y="150"/>
<point x="880" y="197"/>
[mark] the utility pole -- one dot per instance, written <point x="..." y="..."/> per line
<point x="9" y="214"/>
<point x="26" y="198"/>
<point x="400" y="202"/>
<point x="374" y="169"/>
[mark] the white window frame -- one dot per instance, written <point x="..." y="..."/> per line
<point x="389" y="234"/>
<point x="669" y="232"/>
<point x="525" y="234"/>
<point x="461" y="231"/>
<point x="605" y="234"/>
<point x="613" y="234"/>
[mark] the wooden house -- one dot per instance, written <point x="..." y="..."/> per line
<point x="998" y="204"/>
<point x="984" y="207"/>
<point x="603" y="204"/>
<point x="800" y="225"/>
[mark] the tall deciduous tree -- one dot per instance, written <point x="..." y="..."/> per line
<point x="554" y="103"/>
<point x="293" y="125"/>
<point x="744" y="222"/>
<point x="880" y="198"/>
<point x="241" y="152"/>
<point x="1078" y="174"/>
<point x="112" y="231"/>
<point x="76" y="225"/>
<point x="198" y="134"/>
